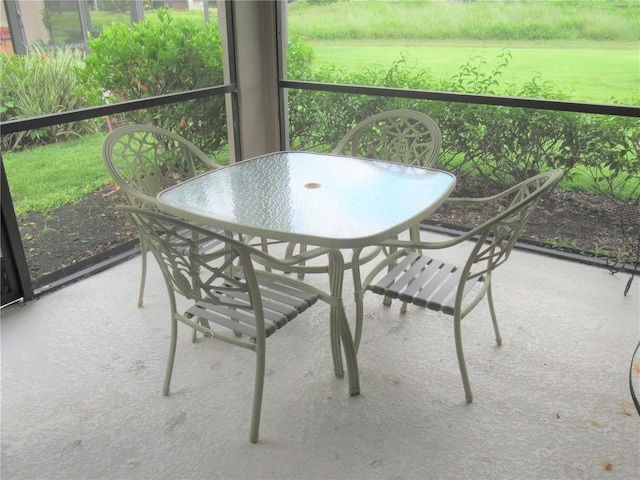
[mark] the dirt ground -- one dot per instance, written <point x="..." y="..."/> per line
<point x="572" y="221"/>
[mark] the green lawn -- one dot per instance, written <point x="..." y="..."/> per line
<point x="44" y="178"/>
<point x="575" y="67"/>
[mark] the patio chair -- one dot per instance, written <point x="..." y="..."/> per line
<point x="422" y="280"/>
<point x="401" y="136"/>
<point x="144" y="160"/>
<point x="231" y="300"/>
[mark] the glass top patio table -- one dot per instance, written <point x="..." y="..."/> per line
<point x="319" y="199"/>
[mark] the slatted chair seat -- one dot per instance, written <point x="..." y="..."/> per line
<point x="285" y="294"/>
<point x="238" y="320"/>
<point x="281" y="303"/>
<point x="413" y="277"/>
<point x="230" y="299"/>
<point x="425" y="282"/>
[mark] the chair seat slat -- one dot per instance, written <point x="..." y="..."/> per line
<point x="433" y="266"/>
<point x="381" y="286"/>
<point x="448" y="308"/>
<point x="273" y="309"/>
<point x="297" y="298"/>
<point x="405" y="279"/>
<point x="273" y="320"/>
<point x="448" y="284"/>
<point x="421" y="299"/>
<point x="222" y="315"/>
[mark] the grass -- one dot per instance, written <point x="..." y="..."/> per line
<point x="44" y="178"/>
<point x="47" y="177"/>
<point x="587" y="49"/>
<point x="478" y="20"/>
<point x="574" y="67"/>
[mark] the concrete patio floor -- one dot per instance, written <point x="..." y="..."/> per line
<point x="82" y="371"/>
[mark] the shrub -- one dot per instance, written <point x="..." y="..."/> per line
<point x="159" y="56"/>
<point x="40" y="83"/>
<point x="612" y="158"/>
<point x="318" y="120"/>
<point x="503" y="144"/>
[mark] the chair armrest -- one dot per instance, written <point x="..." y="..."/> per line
<point x="413" y="244"/>
<point x="466" y="200"/>
<point x="476" y="201"/>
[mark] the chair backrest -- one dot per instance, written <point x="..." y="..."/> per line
<point x="144" y="160"/>
<point x="195" y="272"/>
<point x="496" y="237"/>
<point x="403" y="136"/>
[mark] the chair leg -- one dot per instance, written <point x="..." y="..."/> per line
<point x="257" y="394"/>
<point x="265" y="248"/>
<point x="194" y="333"/>
<point x="350" y="354"/>
<point x="303" y="249"/>
<point x="403" y="307"/>
<point x="143" y="276"/>
<point x="172" y="355"/>
<point x="359" y="320"/>
<point x="494" y="319"/>
<point x="463" y="367"/>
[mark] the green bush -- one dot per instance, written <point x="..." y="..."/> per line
<point x="503" y="144"/>
<point x="40" y="83"/>
<point x="318" y="120"/>
<point x="506" y="144"/>
<point x="612" y="158"/>
<point x="159" y="56"/>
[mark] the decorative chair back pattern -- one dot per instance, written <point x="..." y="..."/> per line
<point x="497" y="237"/>
<point x="145" y="160"/>
<point x="402" y="136"/>
<point x="194" y="270"/>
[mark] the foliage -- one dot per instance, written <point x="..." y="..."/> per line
<point x="40" y="83"/>
<point x="507" y="144"/>
<point x="45" y="178"/>
<point x="318" y="120"/>
<point x="300" y="56"/>
<point x="504" y="144"/>
<point x="159" y="56"/>
<point x="473" y="77"/>
<point x="612" y="160"/>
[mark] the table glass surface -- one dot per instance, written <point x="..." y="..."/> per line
<point x="321" y="199"/>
